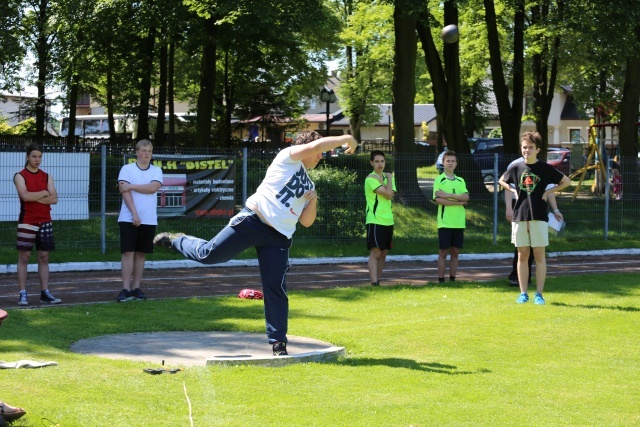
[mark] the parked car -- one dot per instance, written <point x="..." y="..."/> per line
<point x="561" y="160"/>
<point x="484" y="151"/>
<point x="439" y="164"/>
<point x="481" y="145"/>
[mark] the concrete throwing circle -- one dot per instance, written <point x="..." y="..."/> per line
<point x="205" y="348"/>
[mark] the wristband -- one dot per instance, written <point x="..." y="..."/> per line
<point x="556" y="210"/>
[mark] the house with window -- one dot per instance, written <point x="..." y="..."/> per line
<point x="18" y="107"/>
<point x="567" y="125"/>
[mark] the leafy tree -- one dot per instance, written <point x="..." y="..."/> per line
<point x="5" y="129"/>
<point x="76" y="51"/>
<point x="474" y="64"/>
<point x="510" y="112"/>
<point x="25" y="127"/>
<point x="547" y="20"/>
<point x="38" y="37"/>
<point x="285" y="32"/>
<point x="447" y="89"/>
<point x="11" y="51"/>
<point x="367" y="70"/>
<point x="603" y="53"/>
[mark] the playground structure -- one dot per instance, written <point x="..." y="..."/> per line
<point x="603" y="140"/>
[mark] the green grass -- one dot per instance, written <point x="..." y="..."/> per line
<point x="417" y="356"/>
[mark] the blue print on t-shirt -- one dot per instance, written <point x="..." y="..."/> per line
<point x="296" y="187"/>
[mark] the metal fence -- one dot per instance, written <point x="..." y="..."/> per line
<point x="89" y="180"/>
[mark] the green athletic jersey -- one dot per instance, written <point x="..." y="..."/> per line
<point x="450" y="216"/>
<point x="378" y="208"/>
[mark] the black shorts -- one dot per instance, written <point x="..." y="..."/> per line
<point x="451" y="237"/>
<point x="136" y="239"/>
<point x="379" y="236"/>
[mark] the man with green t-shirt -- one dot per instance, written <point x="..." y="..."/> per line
<point x="451" y="195"/>
<point x="379" y="189"/>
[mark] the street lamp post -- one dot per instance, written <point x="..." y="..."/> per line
<point x="389" y="114"/>
<point x="328" y="96"/>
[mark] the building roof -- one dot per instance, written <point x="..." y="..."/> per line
<point x="421" y="113"/>
<point x="318" y="118"/>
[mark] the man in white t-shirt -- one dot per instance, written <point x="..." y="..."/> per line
<point x="138" y="183"/>
<point x="285" y="198"/>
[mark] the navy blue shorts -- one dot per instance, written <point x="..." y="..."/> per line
<point x="451" y="237"/>
<point x="136" y="239"/>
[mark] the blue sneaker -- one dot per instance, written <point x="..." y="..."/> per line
<point x="522" y="298"/>
<point x="538" y="299"/>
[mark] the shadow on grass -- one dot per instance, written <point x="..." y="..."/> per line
<point x="394" y="362"/>
<point x="596" y="307"/>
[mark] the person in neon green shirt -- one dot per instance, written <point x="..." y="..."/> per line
<point x="451" y="195"/>
<point x="379" y="189"/>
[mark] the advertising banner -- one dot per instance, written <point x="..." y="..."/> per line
<point x="195" y="186"/>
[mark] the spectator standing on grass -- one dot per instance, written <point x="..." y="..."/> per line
<point x="510" y="202"/>
<point x="451" y="195"/>
<point x="37" y="193"/>
<point x="138" y="183"/>
<point x="285" y="197"/>
<point x="379" y="189"/>
<point x="530" y="230"/>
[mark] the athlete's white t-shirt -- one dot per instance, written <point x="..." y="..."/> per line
<point x="280" y="195"/>
<point x="146" y="204"/>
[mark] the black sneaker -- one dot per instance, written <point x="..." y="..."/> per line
<point x="280" y="349"/>
<point x="165" y="239"/>
<point x="46" y="297"/>
<point x="124" y="296"/>
<point x="514" y="282"/>
<point x="22" y="300"/>
<point x="138" y="294"/>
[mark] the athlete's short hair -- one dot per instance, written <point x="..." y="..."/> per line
<point x="533" y="137"/>
<point x="375" y="153"/>
<point x="306" y="137"/>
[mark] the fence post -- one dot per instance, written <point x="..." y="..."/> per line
<point x="607" y="200"/>
<point x="495" y="199"/>
<point x="103" y="199"/>
<point x="244" y="175"/>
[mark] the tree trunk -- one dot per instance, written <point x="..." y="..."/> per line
<point x="74" y="88"/>
<point x="628" y="127"/>
<point x="170" y="96"/>
<point x="510" y="114"/>
<point x="356" y="125"/>
<point x="445" y="82"/>
<point x="110" y="106"/>
<point x="545" y="71"/>
<point x="146" y="64"/>
<point x="207" y="83"/>
<point x="404" y="92"/>
<point x="42" y="49"/>
<point x="162" y="95"/>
